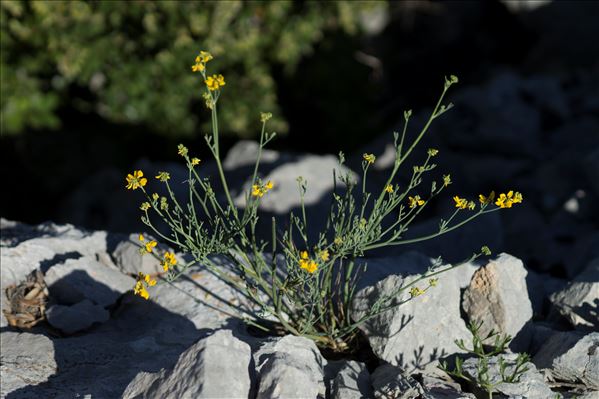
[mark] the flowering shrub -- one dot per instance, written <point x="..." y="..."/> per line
<point x="307" y="287"/>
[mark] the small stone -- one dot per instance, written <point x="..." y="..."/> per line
<point x="572" y="357"/>
<point x="390" y="382"/>
<point x="531" y="384"/>
<point x="79" y="317"/>
<point x="214" y="367"/>
<point x="244" y="154"/>
<point x="498" y="297"/>
<point x="130" y="261"/>
<point x="85" y="278"/>
<point x="352" y="381"/>
<point x="290" y="367"/>
<point x="579" y="301"/>
<point x="25" y="359"/>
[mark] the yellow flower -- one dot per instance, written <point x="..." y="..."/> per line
<point x="136" y="180"/>
<point x="460" y="203"/>
<point x="433" y="282"/>
<point x="200" y="61"/>
<point x="169" y="260"/>
<point x="471" y="205"/>
<point x="389" y="188"/>
<point x="195" y="161"/>
<point x="517" y="198"/>
<point x="432" y="152"/>
<point x="258" y="190"/>
<point x="150" y="281"/>
<point x="486" y="200"/>
<point x="163" y="176"/>
<point x="338" y="241"/>
<point x="163" y="203"/>
<point x="143" y="280"/>
<point x="485" y="250"/>
<point x="324" y="255"/>
<point x="149" y="246"/>
<point x="311" y="267"/>
<point x="182" y="150"/>
<point x="205" y="56"/>
<point x="415" y="201"/>
<point x="142" y="238"/>
<point x="155" y="196"/>
<point x="506" y="201"/>
<point x="265" y="116"/>
<point x="369" y="158"/>
<point x="140" y="290"/>
<point x="304" y="255"/>
<point x="446" y="180"/>
<point x="215" y="82"/>
<point x="145" y="206"/>
<point x="415" y="291"/>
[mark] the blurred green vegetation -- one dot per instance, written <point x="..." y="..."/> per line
<point x="129" y="62"/>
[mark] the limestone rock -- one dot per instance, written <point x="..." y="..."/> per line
<point x="130" y="261"/>
<point x="579" y="301"/>
<point x="352" y="381"/>
<point x="214" y="367"/>
<point x="78" y="317"/>
<point x="25" y="359"/>
<point x="289" y="367"/>
<point x="390" y="382"/>
<point x="85" y="278"/>
<point x="570" y="356"/>
<point x="415" y="333"/>
<point x="498" y="297"/>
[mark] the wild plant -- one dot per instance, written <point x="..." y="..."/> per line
<point x="305" y="284"/>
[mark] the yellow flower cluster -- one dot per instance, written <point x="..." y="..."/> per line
<point x="369" y="158"/>
<point x="195" y="161"/>
<point x="389" y="188"/>
<point x="306" y="263"/>
<point x="265" y="116"/>
<point x="145" y="206"/>
<point x="463" y="203"/>
<point x="324" y="255"/>
<point x="169" y="261"/>
<point x="200" y="61"/>
<point x="182" y="150"/>
<point x="432" y="152"/>
<point x="488" y="199"/>
<point x="415" y="291"/>
<point x="507" y="200"/>
<point x="415" y="201"/>
<point x="215" y="82"/>
<point x="258" y="190"/>
<point x="148" y="246"/>
<point x="163" y="176"/>
<point x="136" y="180"/>
<point x="143" y="281"/>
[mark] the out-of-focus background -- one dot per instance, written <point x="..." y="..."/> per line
<point x="92" y="90"/>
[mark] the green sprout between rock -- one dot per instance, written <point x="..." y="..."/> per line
<point x="509" y="372"/>
<point x="306" y="286"/>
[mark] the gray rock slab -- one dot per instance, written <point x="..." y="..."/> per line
<point x="352" y="381"/>
<point x="531" y="384"/>
<point x="25" y="359"/>
<point x="438" y="388"/>
<point x="572" y="357"/>
<point x="289" y="367"/>
<point x="85" y="278"/>
<point x="416" y="333"/>
<point x="214" y="367"/>
<point x="498" y="297"/>
<point x="244" y="154"/>
<point x="579" y="301"/>
<point x="390" y="381"/>
<point x="128" y="259"/>
<point x="78" y="317"/>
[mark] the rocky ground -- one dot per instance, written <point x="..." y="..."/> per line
<point x="100" y="341"/>
<point x="538" y="135"/>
